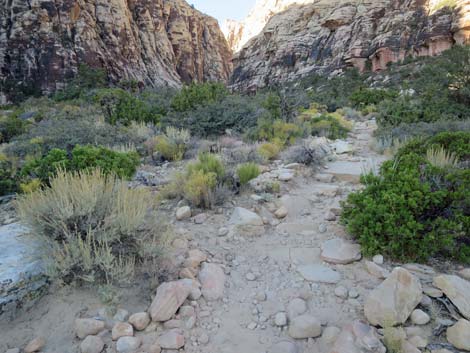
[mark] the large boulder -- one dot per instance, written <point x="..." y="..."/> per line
<point x="339" y="251"/>
<point x="246" y="222"/>
<point x="212" y="278"/>
<point x="394" y="300"/>
<point x="457" y="290"/>
<point x="170" y="296"/>
<point x="459" y="335"/>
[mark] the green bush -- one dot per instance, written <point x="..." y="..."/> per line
<point x="414" y="210"/>
<point x="172" y="145"/>
<point x="87" y="78"/>
<point x="209" y="164"/>
<point x="120" y="106"/>
<point x="247" y="172"/>
<point x="195" y="95"/>
<point x="269" y="150"/>
<point x="8" y="178"/>
<point x="91" y="226"/>
<point x="364" y="97"/>
<point x="320" y="123"/>
<point x="10" y="127"/>
<point x="82" y="158"/>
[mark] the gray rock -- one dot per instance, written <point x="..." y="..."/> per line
<point x="92" y="344"/>
<point x="457" y="290"/>
<point x="170" y="296"/>
<point x="358" y="337"/>
<point x="305" y="326"/>
<point x="283" y="347"/>
<point x="242" y="216"/>
<point x="330" y="334"/>
<point x="339" y="251"/>
<point x="459" y="335"/>
<point x="341" y="147"/>
<point x="394" y="300"/>
<point x="376" y="271"/>
<point x="280" y="319"/>
<point x="173" y="339"/>
<point x="296" y="308"/>
<point x="87" y="327"/>
<point x="419" y="317"/>
<point x="319" y="273"/>
<point x="13" y="350"/>
<point x="183" y="213"/>
<point x="378" y="259"/>
<point x="465" y="274"/>
<point x="341" y="292"/>
<point x="212" y="278"/>
<point x="128" y="344"/>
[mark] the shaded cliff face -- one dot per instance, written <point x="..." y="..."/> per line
<point x="156" y="42"/>
<point x="329" y="35"/>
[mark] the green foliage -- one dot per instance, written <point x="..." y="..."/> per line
<point x="247" y="172"/>
<point x="10" y="127"/>
<point x="444" y="3"/>
<point x="320" y="123"/>
<point x="172" y="145"/>
<point x="195" y="95"/>
<point x="272" y="104"/>
<point x="91" y="227"/>
<point x="120" y="106"/>
<point x="269" y="150"/>
<point x="199" y="187"/>
<point x="364" y="97"/>
<point x="87" y="78"/>
<point x="82" y="158"/>
<point x="209" y="164"/>
<point x="8" y="180"/>
<point x="415" y="210"/>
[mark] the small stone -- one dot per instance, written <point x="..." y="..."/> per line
<point x="170" y="296"/>
<point x="128" y="344"/>
<point x="87" y="327"/>
<point x="195" y="258"/>
<point x="122" y="329"/>
<point x="92" y="344"/>
<point x="419" y="317"/>
<point x="183" y="213"/>
<point x="172" y="324"/>
<point x="426" y="301"/>
<point x="280" y="319"/>
<point x="433" y="292"/>
<point x="283" y="347"/>
<point x="35" y="345"/>
<point x="325" y="178"/>
<point x="154" y="348"/>
<point x="203" y="338"/>
<point x="376" y="271"/>
<point x="353" y="293"/>
<point x="261" y="296"/>
<point x="330" y="217"/>
<point x="296" y="308"/>
<point x="319" y="273"/>
<point x="140" y="321"/>
<point x="286" y="175"/>
<point x="339" y="251"/>
<point x="281" y="213"/>
<point x="341" y="292"/>
<point x="222" y="232"/>
<point x="250" y="276"/>
<point x="304" y="326"/>
<point x="330" y="334"/>
<point x="121" y="315"/>
<point x="378" y="259"/>
<point x="459" y="335"/>
<point x="418" y="341"/>
<point x="457" y="290"/>
<point x="252" y="326"/>
<point x="322" y="228"/>
<point x="173" y="339"/>
<point x="465" y="274"/>
<point x="212" y="279"/>
<point x="200" y="218"/>
<point x="13" y="350"/>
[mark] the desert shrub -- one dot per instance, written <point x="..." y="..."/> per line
<point x="81" y="158"/>
<point x="120" y="106"/>
<point x="30" y="186"/>
<point x="199" y="187"/>
<point x="269" y="150"/>
<point x="195" y="95"/>
<point x="209" y="164"/>
<point x="173" y="144"/>
<point x="414" y="209"/>
<point x="444" y="3"/>
<point x="272" y="104"/>
<point x="8" y="177"/>
<point x="320" y="123"/>
<point x="91" y="225"/>
<point x="11" y="126"/>
<point x="236" y="113"/>
<point x="87" y="78"/>
<point x="364" y="97"/>
<point x="247" y="172"/>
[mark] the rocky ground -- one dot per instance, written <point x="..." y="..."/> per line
<point x="268" y="274"/>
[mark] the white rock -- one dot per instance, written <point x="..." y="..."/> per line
<point x="88" y="327"/>
<point x="286" y="175"/>
<point x="330" y="334"/>
<point x="319" y="273"/>
<point x="394" y="300"/>
<point x="173" y="339"/>
<point x="283" y="347"/>
<point x="35" y="345"/>
<point x="280" y="319"/>
<point x="341" y="147"/>
<point x="222" y="232"/>
<point x="457" y="290"/>
<point x="122" y="329"/>
<point x="212" y="279"/>
<point x="465" y="274"/>
<point x="296" y="308"/>
<point x="183" y="213"/>
<point x="140" y="321"/>
<point x="305" y="326"/>
<point x="378" y="259"/>
<point x="339" y="251"/>
<point x="419" y="317"/>
<point x="376" y="271"/>
<point x="281" y="213"/>
<point x="418" y="341"/>
<point x="341" y="292"/>
<point x="358" y="337"/>
<point x="459" y="335"/>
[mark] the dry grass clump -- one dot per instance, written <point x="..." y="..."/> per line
<point x="439" y="157"/>
<point x="92" y="225"/>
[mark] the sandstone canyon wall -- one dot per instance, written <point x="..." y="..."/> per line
<point x="329" y="35"/>
<point x="155" y="42"/>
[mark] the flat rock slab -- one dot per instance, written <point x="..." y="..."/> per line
<point x="339" y="251"/>
<point x="319" y="273"/>
<point x="21" y="270"/>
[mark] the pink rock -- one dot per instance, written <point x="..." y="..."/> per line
<point x="212" y="279"/>
<point x="170" y="296"/>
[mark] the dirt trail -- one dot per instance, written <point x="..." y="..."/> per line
<point x="263" y="271"/>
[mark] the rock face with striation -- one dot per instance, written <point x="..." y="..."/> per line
<point x="329" y="35"/>
<point x="156" y="42"/>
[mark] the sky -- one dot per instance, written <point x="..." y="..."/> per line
<point x="224" y="9"/>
